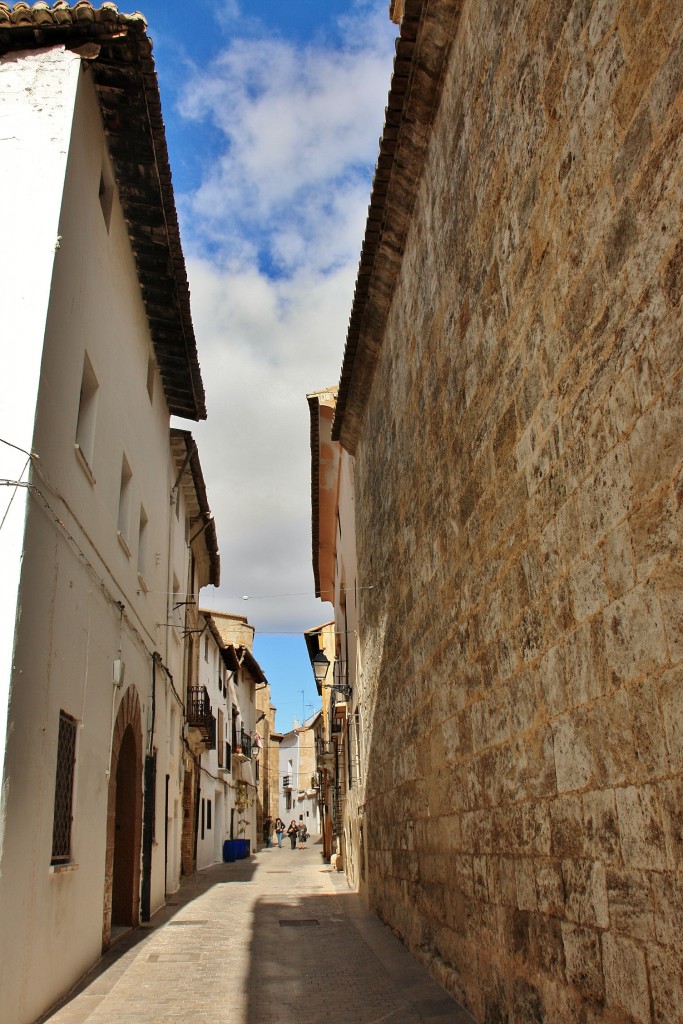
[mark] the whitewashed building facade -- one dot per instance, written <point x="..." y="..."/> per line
<point x="96" y="545"/>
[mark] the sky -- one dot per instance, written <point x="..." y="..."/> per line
<point x="273" y="114"/>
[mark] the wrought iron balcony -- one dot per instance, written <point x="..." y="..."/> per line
<point x="326" y="753"/>
<point x="199" y="714"/>
<point x="243" y="748"/>
<point x="287" y="782"/>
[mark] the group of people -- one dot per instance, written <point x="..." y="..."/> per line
<point x="297" y="832"/>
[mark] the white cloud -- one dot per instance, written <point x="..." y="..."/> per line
<point x="301" y="130"/>
<point x="276" y="229"/>
<point x="263" y="345"/>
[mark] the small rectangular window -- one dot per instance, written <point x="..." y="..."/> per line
<point x="203" y="815"/>
<point x="151" y="371"/>
<point x="106" y="193"/>
<point x="124" y="499"/>
<point x="142" y="542"/>
<point x="87" y="412"/>
<point x="206" y="648"/>
<point x="208" y="814"/>
<point x="172" y="730"/>
<point x="64" y="788"/>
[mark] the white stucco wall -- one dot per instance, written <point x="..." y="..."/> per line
<point x="83" y="603"/>
<point x="303" y="802"/>
<point x="37" y="93"/>
<point x="245" y="698"/>
<point x="215" y="784"/>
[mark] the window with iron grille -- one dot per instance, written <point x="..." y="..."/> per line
<point x="64" y="789"/>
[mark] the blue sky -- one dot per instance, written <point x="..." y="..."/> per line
<point x="273" y="113"/>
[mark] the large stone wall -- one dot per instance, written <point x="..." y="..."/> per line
<point x="519" y="489"/>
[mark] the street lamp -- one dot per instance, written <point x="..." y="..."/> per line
<point x="320" y="666"/>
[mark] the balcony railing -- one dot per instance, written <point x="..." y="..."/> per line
<point x="326" y="752"/>
<point x="287" y="782"/>
<point x="244" y="745"/>
<point x="199" y="714"/>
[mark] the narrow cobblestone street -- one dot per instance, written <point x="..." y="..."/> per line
<point x="274" y="938"/>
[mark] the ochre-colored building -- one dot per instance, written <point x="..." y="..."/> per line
<point x="512" y="396"/>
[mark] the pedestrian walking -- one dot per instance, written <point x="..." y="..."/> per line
<point x="280" y="829"/>
<point x="293" y="832"/>
<point x="303" y="832"/>
<point x="268" y="829"/>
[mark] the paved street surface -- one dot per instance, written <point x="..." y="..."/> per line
<point x="276" y="938"/>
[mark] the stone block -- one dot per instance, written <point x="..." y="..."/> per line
<point x="508" y="881"/>
<point x="619" y="563"/>
<point x="668" y="898"/>
<point x="652" y="757"/>
<point x="601" y="825"/>
<point x="552" y="672"/>
<point x="631" y="903"/>
<point x="611" y="739"/>
<point x="625" y="971"/>
<point x="641" y="827"/>
<point x="559" y="610"/>
<point x="671" y="703"/>
<point x="601" y="21"/>
<point x="567" y="828"/>
<point x="670" y="793"/>
<point x="569" y="531"/>
<point x="527" y="1003"/>
<point x="574" y="763"/>
<point x="665" y="969"/>
<point x="668" y="83"/>
<point x="589" y="589"/>
<point x="623" y="403"/>
<point x="499" y="715"/>
<point x="549" y="888"/>
<point x="536" y="764"/>
<point x="523" y="701"/>
<point x="601" y="434"/>
<point x="606" y="497"/>
<point x="456" y="735"/>
<point x="654" y="534"/>
<point x="583" y="958"/>
<point x="536" y="828"/>
<point x="585" y="888"/>
<point x="634" y="634"/>
<point x="670" y="590"/>
<point x="632" y="152"/>
<point x="621" y="237"/>
<point x="547" y="947"/>
<point x="656" y="445"/>
<point x="525" y="884"/>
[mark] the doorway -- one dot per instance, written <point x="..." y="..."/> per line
<point x="125" y="853"/>
<point x="124" y="822"/>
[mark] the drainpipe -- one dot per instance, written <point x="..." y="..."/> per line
<point x="149" y="808"/>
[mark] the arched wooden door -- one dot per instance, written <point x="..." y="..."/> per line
<point x="124" y="821"/>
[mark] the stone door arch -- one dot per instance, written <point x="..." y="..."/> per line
<point x="124" y="820"/>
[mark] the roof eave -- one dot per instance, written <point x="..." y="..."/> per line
<point x="117" y="49"/>
<point x="428" y="28"/>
